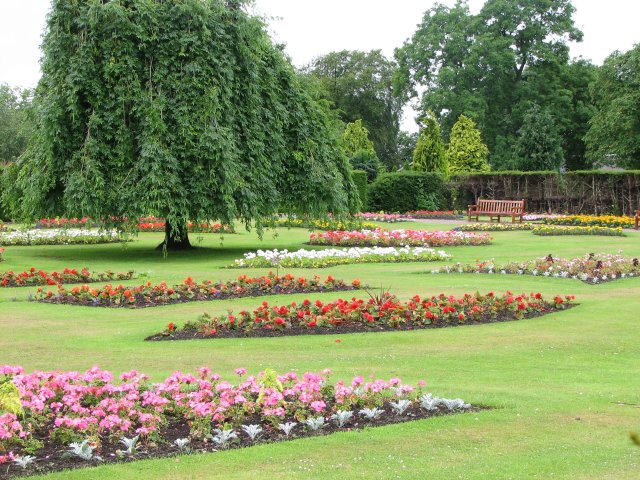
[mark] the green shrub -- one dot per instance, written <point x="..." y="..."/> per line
<point x="406" y="191"/>
<point x="360" y="181"/>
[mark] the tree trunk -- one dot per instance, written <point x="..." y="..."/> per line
<point x="176" y="238"/>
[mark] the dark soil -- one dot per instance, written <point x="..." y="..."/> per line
<point x="52" y="457"/>
<point x="352" y="327"/>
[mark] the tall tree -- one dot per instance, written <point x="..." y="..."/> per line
<point x="614" y="132"/>
<point x="429" y="155"/>
<point x="15" y="127"/>
<point x="183" y="110"/>
<point x="466" y="151"/>
<point x="539" y="146"/>
<point x="491" y="66"/>
<point x="360" y="85"/>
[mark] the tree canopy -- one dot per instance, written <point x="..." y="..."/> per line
<point x="429" y="154"/>
<point x="539" y="146"/>
<point x="15" y="127"/>
<point x="614" y="132"/>
<point x="466" y="151"/>
<point x="360" y="86"/>
<point x="493" y="66"/>
<point x="181" y="109"/>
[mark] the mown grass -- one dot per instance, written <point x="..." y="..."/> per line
<point x="565" y="386"/>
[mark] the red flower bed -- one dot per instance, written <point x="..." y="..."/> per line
<point x="33" y="277"/>
<point x="63" y="222"/>
<point x="397" y="238"/>
<point x="375" y="314"/>
<point x="433" y="214"/>
<point x="149" y="295"/>
<point x="153" y="224"/>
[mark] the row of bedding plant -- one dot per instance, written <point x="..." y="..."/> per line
<point x="332" y="256"/>
<point x="380" y="313"/>
<point x="591" y="268"/>
<point x="62" y="419"/>
<point x="152" y="295"/>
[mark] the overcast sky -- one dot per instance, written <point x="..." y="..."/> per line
<point x="311" y="28"/>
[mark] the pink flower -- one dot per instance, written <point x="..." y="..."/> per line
<point x="318" y="405"/>
<point x="240" y="371"/>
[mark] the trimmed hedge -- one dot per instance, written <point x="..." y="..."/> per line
<point x="594" y="192"/>
<point x="406" y="191"/>
<point x="360" y="181"/>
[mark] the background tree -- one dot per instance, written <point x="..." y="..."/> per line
<point x="429" y="155"/>
<point x="614" y="132"/>
<point x="15" y="127"/>
<point x="360" y="85"/>
<point x="359" y="149"/>
<point x="183" y="110"/>
<point x="539" y="145"/>
<point x="466" y="151"/>
<point x="405" y="146"/>
<point x="492" y="66"/>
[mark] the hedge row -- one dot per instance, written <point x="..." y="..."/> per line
<point x="587" y="192"/>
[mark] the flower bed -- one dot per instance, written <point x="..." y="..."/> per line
<point x="149" y="295"/>
<point x="331" y="257"/>
<point x="373" y="315"/>
<point x="64" y="222"/>
<point x="152" y="224"/>
<point x="494" y="227"/>
<point x="330" y="224"/>
<point x="536" y="217"/>
<point x="433" y="214"/>
<point x="383" y="217"/>
<point x="590" y="220"/>
<point x="555" y="231"/>
<point x="33" y="277"/>
<point x="592" y="268"/>
<point x="54" y="236"/>
<point x="397" y="238"/>
<point x="70" y="419"/>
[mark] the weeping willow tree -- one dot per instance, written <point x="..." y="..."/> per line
<point x="182" y="109"/>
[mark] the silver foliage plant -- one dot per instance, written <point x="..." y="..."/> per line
<point x="252" y="431"/>
<point x="371" y="413"/>
<point x="24" y="461"/>
<point x="400" y="406"/>
<point x="287" y="427"/>
<point x="222" y="438"/>
<point x="82" y="450"/>
<point x="315" y="423"/>
<point x="431" y="403"/>
<point x="182" y="444"/>
<point x="130" y="444"/>
<point x="341" y="417"/>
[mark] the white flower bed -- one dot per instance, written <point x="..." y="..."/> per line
<point x="60" y="236"/>
<point x="337" y="256"/>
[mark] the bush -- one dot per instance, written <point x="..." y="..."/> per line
<point x="360" y="181"/>
<point x="406" y="191"/>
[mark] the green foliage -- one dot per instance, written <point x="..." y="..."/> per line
<point x="614" y="132"/>
<point x="10" y="398"/>
<point x="184" y="110"/>
<point x="360" y="86"/>
<point x="406" y="191"/>
<point x="429" y="154"/>
<point x="367" y="161"/>
<point x="493" y="65"/>
<point x="539" y="146"/>
<point x="15" y="127"/>
<point x="467" y="152"/>
<point x="405" y="146"/>
<point x="360" y="181"/>
<point x="355" y="139"/>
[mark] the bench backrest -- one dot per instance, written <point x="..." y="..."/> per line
<point x="501" y="206"/>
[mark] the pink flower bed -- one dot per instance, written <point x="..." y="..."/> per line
<point x="395" y="238"/>
<point x="56" y="408"/>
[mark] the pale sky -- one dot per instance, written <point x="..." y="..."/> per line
<point x="311" y="28"/>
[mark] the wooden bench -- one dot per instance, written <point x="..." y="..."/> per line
<point x="495" y="209"/>
<point x="637" y="219"/>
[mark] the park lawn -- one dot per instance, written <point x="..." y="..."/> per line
<point x="565" y="387"/>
